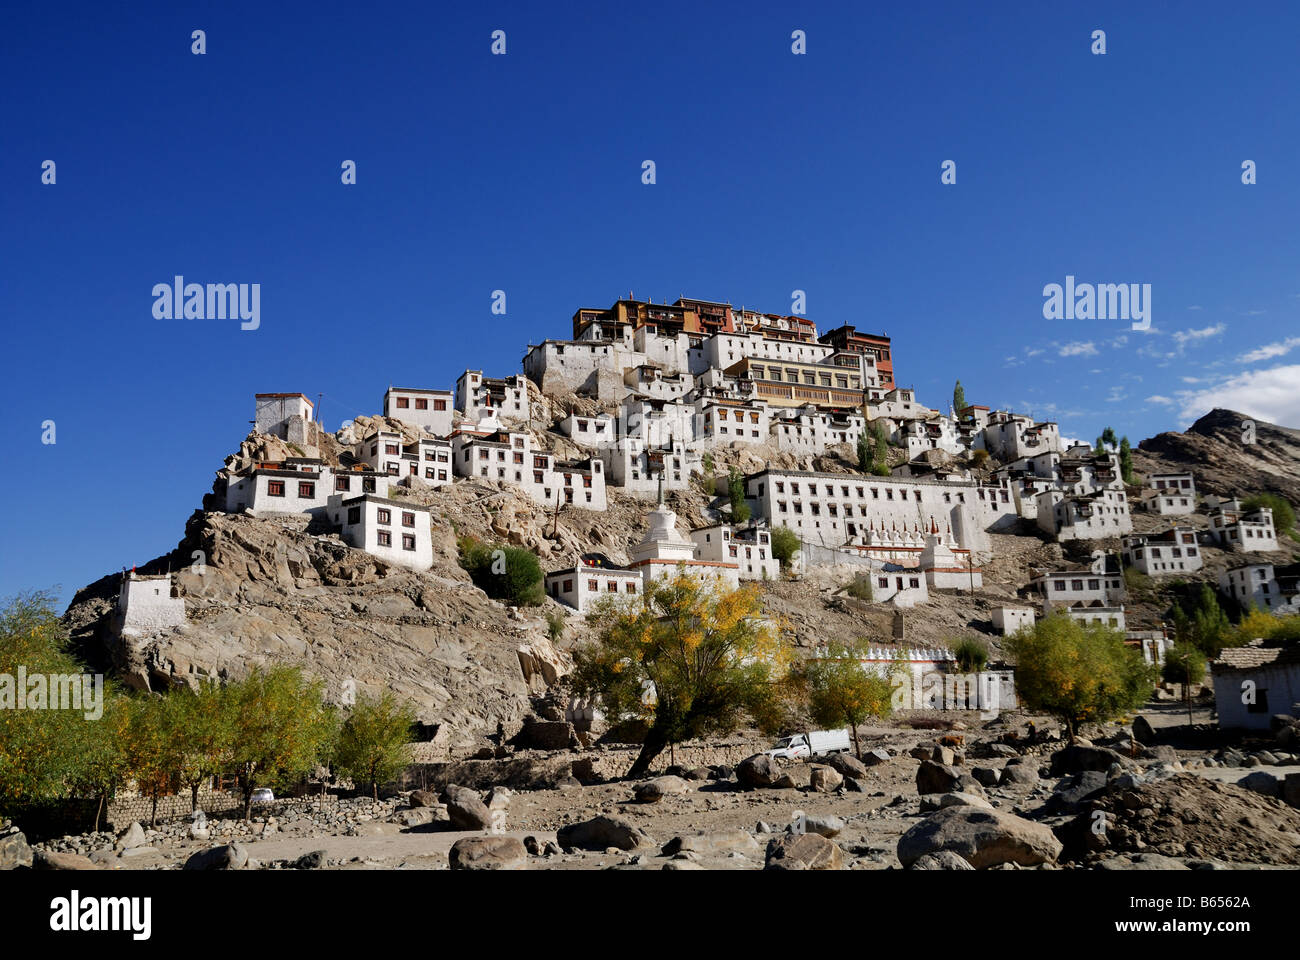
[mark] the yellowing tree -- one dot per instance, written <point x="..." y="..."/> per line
<point x="1078" y="673"/>
<point x="841" y="692"/>
<point x="692" y="657"/>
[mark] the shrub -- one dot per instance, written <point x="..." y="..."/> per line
<point x="555" y="624"/>
<point x="509" y="574"/>
<point x="972" y="655"/>
<point x="860" y="587"/>
<point x="1283" y="514"/>
<point x="785" y="544"/>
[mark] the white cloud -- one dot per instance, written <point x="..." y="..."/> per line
<point x="1157" y="398"/>
<point x="1270" y="350"/>
<point x="1078" y="349"/>
<point x="1188" y="336"/>
<point x="1272" y="395"/>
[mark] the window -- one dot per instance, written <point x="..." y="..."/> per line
<point x="385" y="539"/>
<point x="408" y="518"/>
<point x="403" y="403"/>
<point x="367" y="484"/>
<point x="342" y="483"/>
<point x="391" y="449"/>
<point x="630" y="587"/>
<point x="384" y="516"/>
<point x="275" y="488"/>
<point x="408" y="541"/>
<point x="421" y="404"/>
<point x="593" y="585"/>
<point x="440" y="404"/>
<point x="354" y="515"/>
<point x="306" y="490"/>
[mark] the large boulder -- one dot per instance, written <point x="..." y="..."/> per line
<point x="873" y="758"/>
<point x="1291" y="789"/>
<point x="1143" y="732"/>
<point x="228" y="856"/>
<point x="48" y="860"/>
<point x="600" y="833"/>
<point x="652" y="791"/>
<point x="1077" y="758"/>
<point x="803" y="851"/>
<point x="423" y="798"/>
<point x="1262" y="782"/>
<point x="849" y="766"/>
<point x="760" y="770"/>
<point x="825" y="780"/>
<point x="465" y="809"/>
<point x="14" y="851"/>
<point x="940" y="778"/>
<point x="1077" y="790"/>
<point x="714" y="842"/>
<point x="132" y="836"/>
<point x="984" y="838"/>
<point x="488" y="853"/>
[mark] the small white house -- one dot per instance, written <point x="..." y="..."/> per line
<point x="1007" y="620"/>
<point x="1235" y="529"/>
<point x="283" y="415"/>
<point x="1272" y="590"/>
<point x="1098" y="584"/>
<point x="504" y="398"/>
<point x="1107" y="616"/>
<point x="146" y="605"/>
<point x="1254" y="682"/>
<point x="1173" y="552"/>
<point x="593" y="578"/>
<point x="272" y="488"/>
<point x="393" y="530"/>
<point x="1170" y="494"/>
<point x="430" y="409"/>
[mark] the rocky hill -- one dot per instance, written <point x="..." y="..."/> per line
<point x="275" y="590"/>
<point x="1215" y="448"/>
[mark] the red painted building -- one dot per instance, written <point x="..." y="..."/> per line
<point x="848" y="340"/>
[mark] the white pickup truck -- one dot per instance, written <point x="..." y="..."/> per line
<point x="814" y="743"/>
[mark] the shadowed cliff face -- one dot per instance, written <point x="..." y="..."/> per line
<point x="271" y="592"/>
<point x="1215" y="449"/>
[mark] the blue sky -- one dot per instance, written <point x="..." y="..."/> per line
<point x="522" y="172"/>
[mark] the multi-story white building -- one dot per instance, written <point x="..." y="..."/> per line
<point x="868" y="511"/>
<point x="430" y="409"/>
<point x="1012" y="436"/>
<point x="1261" y="585"/>
<point x="511" y="458"/>
<point x="1170" y="493"/>
<point x="595" y="430"/>
<point x="1173" y="552"/>
<point x="750" y="549"/>
<point x="291" y="486"/>
<point x="1235" y="529"/>
<point x="638" y="468"/>
<point x="726" y="423"/>
<point x="481" y="398"/>
<point x="392" y="530"/>
<point x="809" y="430"/>
<point x="1091" y="516"/>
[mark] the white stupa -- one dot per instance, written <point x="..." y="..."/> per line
<point x="664" y="549"/>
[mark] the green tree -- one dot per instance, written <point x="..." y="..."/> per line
<point x="374" y="743"/>
<point x="736" y="488"/>
<point x="972" y="655"/>
<point x="1106" y="441"/>
<point x="1283" y="513"/>
<point x="1126" y="462"/>
<point x="150" y="749"/>
<point x="880" y="467"/>
<point x="865" y="455"/>
<point x="860" y="588"/>
<point x="1209" y="623"/>
<point x="1078" y="673"/>
<point x="509" y="574"/>
<point x="958" y="398"/>
<point x="1185" y="664"/>
<point x="281" y="728"/>
<point x="203" y="723"/>
<point x="841" y="692"/>
<point x="692" y="658"/>
<point x="41" y="750"/>
<point x="785" y="544"/>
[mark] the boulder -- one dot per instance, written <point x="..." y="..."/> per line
<point x="652" y="791"/>
<point x="825" y="780"/>
<point x="986" y="776"/>
<point x="873" y="758"/>
<point x="943" y="860"/>
<point x="132" y="836"/>
<point x="465" y="809"/>
<point x="822" y="825"/>
<point x="715" y="842"/>
<point x="760" y="770"/>
<point x="699" y="773"/>
<point x="47" y="860"/>
<point x="601" y="833"/>
<point x="423" y="798"/>
<point x="848" y="766"/>
<point x="14" y="851"/>
<point x="228" y="856"/>
<point x="1076" y="790"/>
<point x="1143" y="732"/>
<point x="984" y="838"/>
<point x="488" y="853"/>
<point x="932" y="777"/>
<point x="803" y="851"/>
<point x="310" y="861"/>
<point x="937" y="801"/>
<point x="1262" y="782"/>
<point x="1019" y="775"/>
<point x="1077" y="758"/>
<point x="1291" y="789"/>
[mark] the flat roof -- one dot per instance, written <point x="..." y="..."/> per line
<point x="272" y="396"/>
